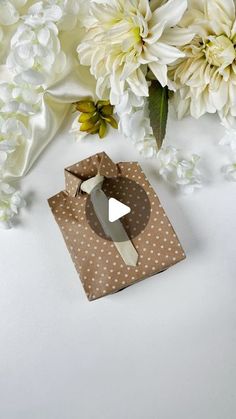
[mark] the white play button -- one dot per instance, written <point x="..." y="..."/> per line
<point x="116" y="209"/>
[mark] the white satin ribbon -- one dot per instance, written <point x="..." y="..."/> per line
<point x="56" y="103"/>
<point x="115" y="230"/>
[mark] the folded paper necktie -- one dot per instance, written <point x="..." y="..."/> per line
<point x="110" y="256"/>
<point x="115" y="230"/>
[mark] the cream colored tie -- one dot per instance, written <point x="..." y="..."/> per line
<point x="115" y="230"/>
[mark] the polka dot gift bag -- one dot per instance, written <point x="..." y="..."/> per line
<point x="111" y="252"/>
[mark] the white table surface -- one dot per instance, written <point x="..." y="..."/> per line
<point x="161" y="349"/>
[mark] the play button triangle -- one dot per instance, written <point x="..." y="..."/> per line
<point x="116" y="209"/>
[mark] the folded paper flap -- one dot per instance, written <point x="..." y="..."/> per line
<point x="72" y="183"/>
<point x="99" y="163"/>
<point x="107" y="167"/>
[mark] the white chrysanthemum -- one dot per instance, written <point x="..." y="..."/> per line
<point x="134" y="123"/>
<point x="36" y="49"/>
<point x="18" y="99"/>
<point x="10" y="203"/>
<point x="13" y="135"/>
<point x="181" y="173"/>
<point x="206" y="77"/>
<point x="126" y="37"/>
<point x="230" y="172"/>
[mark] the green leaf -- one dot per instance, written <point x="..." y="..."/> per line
<point x="158" y="107"/>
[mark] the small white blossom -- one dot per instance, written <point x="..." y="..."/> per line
<point x="13" y="135"/>
<point x="36" y="50"/>
<point x="19" y="99"/>
<point x="135" y="124"/>
<point x="127" y="102"/>
<point x="230" y="172"/>
<point x="182" y="173"/>
<point x="42" y="12"/>
<point x="229" y="138"/>
<point x="10" y="11"/>
<point x="63" y="12"/>
<point x="188" y="176"/>
<point x="10" y="203"/>
<point x="70" y="13"/>
<point x="167" y="161"/>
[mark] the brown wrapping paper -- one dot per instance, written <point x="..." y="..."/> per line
<point x="102" y="270"/>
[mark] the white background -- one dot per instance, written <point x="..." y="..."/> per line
<point x="161" y="349"/>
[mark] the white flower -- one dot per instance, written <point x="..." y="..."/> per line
<point x="188" y="176"/>
<point x="18" y="99"/>
<point x="167" y="161"/>
<point x="230" y="172"/>
<point x="229" y="138"/>
<point x="10" y="203"/>
<point x="136" y="127"/>
<point x="129" y="101"/>
<point x="36" y="50"/>
<point x="70" y="13"/>
<point x="42" y="12"/>
<point x="63" y="12"/>
<point x="206" y="76"/>
<point x="10" y="11"/>
<point x="134" y="123"/>
<point x="126" y="37"/>
<point x="182" y="173"/>
<point x="13" y="135"/>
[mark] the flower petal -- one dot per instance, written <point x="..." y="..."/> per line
<point x="170" y="12"/>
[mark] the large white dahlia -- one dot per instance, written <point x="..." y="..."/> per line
<point x="206" y="76"/>
<point x="125" y="38"/>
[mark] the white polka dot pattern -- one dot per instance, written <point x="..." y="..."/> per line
<point x="101" y="269"/>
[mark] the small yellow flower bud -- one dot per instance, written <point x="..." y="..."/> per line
<point x="111" y="121"/>
<point x="95" y="117"/>
<point x="107" y="110"/>
<point x="101" y="103"/>
<point x="85" y="116"/>
<point x="102" y="129"/>
<point x="95" y="129"/>
<point x="86" y="126"/>
<point x="86" y="106"/>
